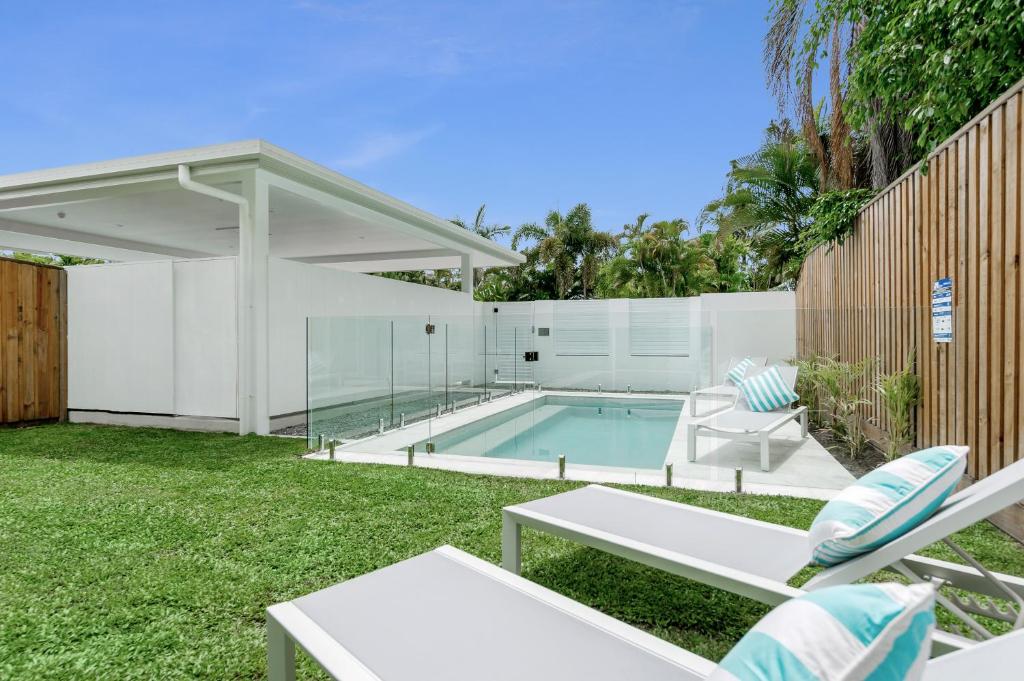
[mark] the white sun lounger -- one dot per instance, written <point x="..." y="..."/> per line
<point x="740" y="422"/>
<point x="756" y="559"/>
<point x="725" y="388"/>
<point x="448" y="615"/>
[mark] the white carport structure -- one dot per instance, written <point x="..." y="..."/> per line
<point x="248" y="200"/>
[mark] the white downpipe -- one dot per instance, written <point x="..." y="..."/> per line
<point x="186" y="182"/>
<point x="249" y="377"/>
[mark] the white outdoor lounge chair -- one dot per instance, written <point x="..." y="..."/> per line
<point x="741" y="422"/>
<point x="448" y="615"/>
<point x="755" y="559"/>
<point x="725" y="388"/>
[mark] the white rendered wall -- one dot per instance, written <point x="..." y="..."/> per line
<point x="160" y="337"/>
<point x="618" y="369"/>
<point x="299" y="291"/>
<point x="758" y="324"/>
<point x="153" y="337"/>
<point x="721" y="325"/>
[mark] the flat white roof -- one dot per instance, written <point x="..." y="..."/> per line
<point x="134" y="209"/>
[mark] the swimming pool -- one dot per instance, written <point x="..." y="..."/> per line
<point x="627" y="432"/>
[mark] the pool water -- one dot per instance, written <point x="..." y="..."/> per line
<point x="631" y="433"/>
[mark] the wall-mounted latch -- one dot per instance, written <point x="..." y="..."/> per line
<point x="531" y="356"/>
<point x="430" y="329"/>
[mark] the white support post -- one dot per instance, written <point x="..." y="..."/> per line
<point x="511" y="544"/>
<point x="765" y="456"/>
<point x="280" y="652"/>
<point x="467" y="273"/>
<point x="691" y="442"/>
<point x="253" y="307"/>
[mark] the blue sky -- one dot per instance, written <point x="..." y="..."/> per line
<point x="527" y="106"/>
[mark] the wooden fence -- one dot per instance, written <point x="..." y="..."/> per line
<point x="870" y="296"/>
<point x="33" y="342"/>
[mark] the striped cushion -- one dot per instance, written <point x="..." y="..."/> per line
<point x="737" y="373"/>
<point x="861" y="631"/>
<point x="767" y="390"/>
<point x="885" y="503"/>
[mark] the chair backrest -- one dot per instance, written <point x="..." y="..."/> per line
<point x="788" y="373"/>
<point x="968" y="506"/>
<point x="759" y="362"/>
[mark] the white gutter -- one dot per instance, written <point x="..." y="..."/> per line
<point x="186" y="182"/>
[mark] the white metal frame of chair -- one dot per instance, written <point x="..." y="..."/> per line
<point x="761" y="434"/>
<point x="965" y="508"/>
<point x="723" y="389"/>
<point x="288" y="627"/>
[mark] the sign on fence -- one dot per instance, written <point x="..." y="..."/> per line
<point x="942" y="310"/>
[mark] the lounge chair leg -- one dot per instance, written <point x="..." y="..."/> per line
<point x="691" y="442"/>
<point x="765" y="461"/>
<point x="511" y="544"/>
<point x="280" y="653"/>
<point x="692" y="399"/>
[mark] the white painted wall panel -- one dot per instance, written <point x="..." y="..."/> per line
<point x="205" y="338"/>
<point x="298" y="291"/>
<point x="761" y="324"/>
<point x="121" y="337"/>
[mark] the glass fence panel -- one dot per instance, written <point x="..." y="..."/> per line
<point x="349" y="376"/>
<point x="414" y="396"/>
<point x="621" y="386"/>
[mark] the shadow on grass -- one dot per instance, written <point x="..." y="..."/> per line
<point x="671" y="607"/>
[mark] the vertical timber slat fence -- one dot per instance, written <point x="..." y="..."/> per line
<point x="870" y="296"/>
<point x="33" y="342"/>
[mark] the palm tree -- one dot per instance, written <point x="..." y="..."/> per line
<point x="658" y="261"/>
<point x="479" y="225"/>
<point x="487" y="231"/>
<point x="767" y="198"/>
<point x="570" y="247"/>
<point x="874" y="155"/>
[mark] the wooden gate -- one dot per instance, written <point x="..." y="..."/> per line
<point x="33" y="342"/>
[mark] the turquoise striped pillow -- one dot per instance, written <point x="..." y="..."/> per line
<point x="886" y="503"/>
<point x="767" y="391"/>
<point x="880" y="632"/>
<point x="737" y="373"/>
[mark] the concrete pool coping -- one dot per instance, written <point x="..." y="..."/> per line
<point x="800" y="467"/>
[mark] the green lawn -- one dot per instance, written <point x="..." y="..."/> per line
<point x="139" y="553"/>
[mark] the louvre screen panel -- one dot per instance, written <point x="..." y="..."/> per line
<point x="659" y="327"/>
<point x="581" y="328"/>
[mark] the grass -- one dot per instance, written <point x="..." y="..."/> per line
<point x="142" y="553"/>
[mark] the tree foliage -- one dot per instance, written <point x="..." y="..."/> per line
<point x="55" y="259"/>
<point x="833" y="216"/>
<point x="768" y="196"/>
<point x="915" y="72"/>
<point x="658" y="261"/>
<point x="931" y="65"/>
<point x="570" y="247"/>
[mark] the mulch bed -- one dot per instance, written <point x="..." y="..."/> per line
<point x="867" y="461"/>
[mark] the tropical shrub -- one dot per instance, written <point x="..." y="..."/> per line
<point x="843" y="386"/>
<point x="900" y="392"/>
<point x="809" y="388"/>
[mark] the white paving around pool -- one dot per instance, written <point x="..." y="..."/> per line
<point x="799" y="466"/>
